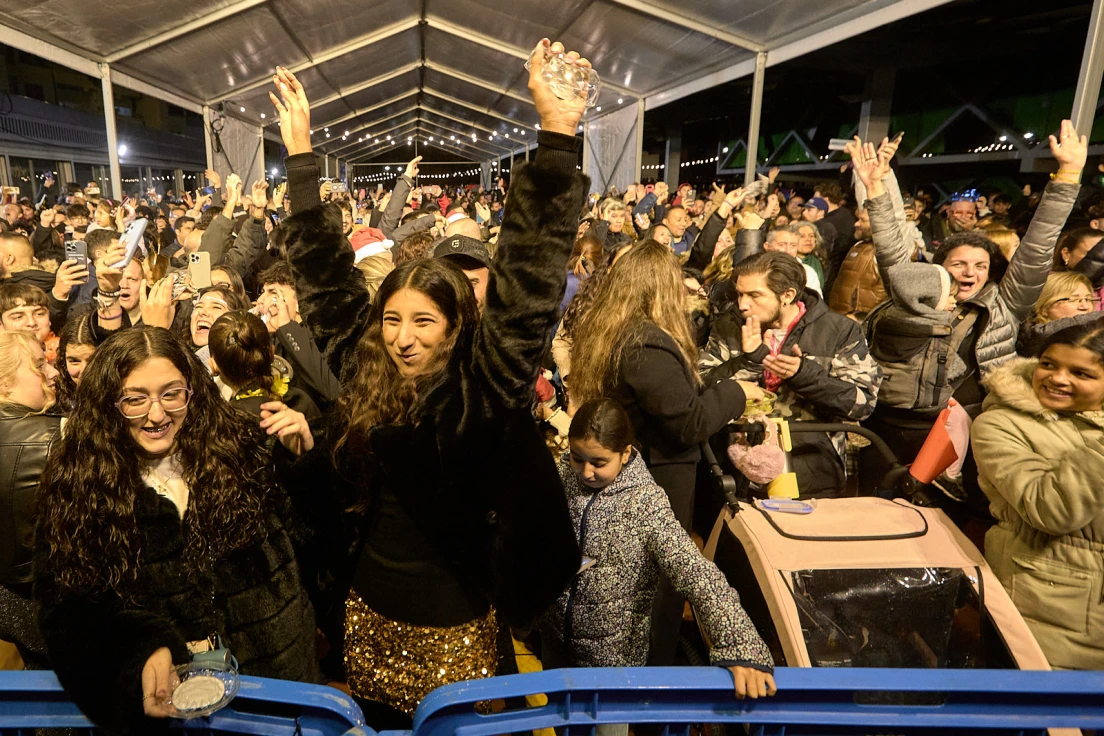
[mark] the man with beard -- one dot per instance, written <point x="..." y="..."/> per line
<point x="784" y="338"/>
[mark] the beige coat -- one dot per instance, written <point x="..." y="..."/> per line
<point x="1044" y="475"/>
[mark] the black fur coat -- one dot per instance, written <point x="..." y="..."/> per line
<point x="473" y="475"/>
<point x="253" y="597"/>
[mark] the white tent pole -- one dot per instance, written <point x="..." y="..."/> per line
<point x="210" y="150"/>
<point x="638" y="144"/>
<point x="756" y="117"/>
<point x="112" y="135"/>
<point x="1092" y="67"/>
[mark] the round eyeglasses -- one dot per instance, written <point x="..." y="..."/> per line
<point x="136" y="406"/>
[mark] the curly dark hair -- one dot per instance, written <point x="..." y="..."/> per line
<point x="86" y="499"/>
<point x="998" y="264"/>
<point x="77" y="331"/>
<point x="414" y="247"/>
<point x="377" y="393"/>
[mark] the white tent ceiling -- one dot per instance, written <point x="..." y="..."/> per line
<point x="390" y="62"/>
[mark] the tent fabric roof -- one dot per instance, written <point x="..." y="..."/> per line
<point x="428" y="63"/>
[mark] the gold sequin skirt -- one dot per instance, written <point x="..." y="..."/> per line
<point x="398" y="664"/>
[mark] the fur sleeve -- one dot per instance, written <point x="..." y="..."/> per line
<point x="98" y="650"/>
<point x="333" y="298"/>
<point x="530" y="271"/>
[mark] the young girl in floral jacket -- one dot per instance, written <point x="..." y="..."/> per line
<point x="627" y="533"/>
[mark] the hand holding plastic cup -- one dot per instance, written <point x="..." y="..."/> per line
<point x="568" y="80"/>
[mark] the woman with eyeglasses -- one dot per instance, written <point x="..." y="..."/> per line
<point x="159" y="528"/>
<point x="1067" y="299"/>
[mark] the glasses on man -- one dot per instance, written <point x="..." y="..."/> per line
<point x="1090" y="300"/>
<point x="137" y="406"/>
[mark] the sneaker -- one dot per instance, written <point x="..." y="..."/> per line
<point x="952" y="488"/>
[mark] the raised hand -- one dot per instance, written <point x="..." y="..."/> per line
<point x="294" y="111"/>
<point x="886" y="152"/>
<point x="557" y="116"/>
<point x="107" y="277"/>
<point x="1070" y="150"/>
<point x="662" y="192"/>
<point x="412" y="168"/>
<point x="288" y="425"/>
<point x="70" y="274"/>
<point x="259" y="194"/>
<point x="730" y="202"/>
<point x="865" y="160"/>
<point x="751" y="335"/>
<point x="213" y="178"/>
<point x="157" y="307"/>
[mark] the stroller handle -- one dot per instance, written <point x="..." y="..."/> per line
<point x="896" y="480"/>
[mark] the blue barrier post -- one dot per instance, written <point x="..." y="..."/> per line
<point x="31" y="700"/>
<point x="581" y="699"/>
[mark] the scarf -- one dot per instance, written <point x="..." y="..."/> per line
<point x="775" y="340"/>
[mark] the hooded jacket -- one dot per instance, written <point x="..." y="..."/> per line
<point x="1032" y="336"/>
<point x="1003" y="306"/>
<point x="629" y="529"/>
<point x="1041" y="471"/>
<point x="838" y="380"/>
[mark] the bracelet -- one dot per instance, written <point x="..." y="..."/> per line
<point x="111" y="294"/>
<point x="113" y="317"/>
<point x="1066" y="177"/>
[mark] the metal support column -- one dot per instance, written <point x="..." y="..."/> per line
<point x="1092" y="67"/>
<point x="638" y="144"/>
<point x="178" y="182"/>
<point x="210" y="150"/>
<point x="876" y="105"/>
<point x="586" y="159"/>
<point x="756" y="117"/>
<point x="673" y="161"/>
<point x="112" y="134"/>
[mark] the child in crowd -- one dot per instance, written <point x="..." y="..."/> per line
<point x="242" y="357"/>
<point x="628" y="533"/>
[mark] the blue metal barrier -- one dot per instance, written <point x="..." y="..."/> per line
<point x="31" y="700"/>
<point x="581" y="699"/>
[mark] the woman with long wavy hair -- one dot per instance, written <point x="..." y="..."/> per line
<point x="466" y="524"/>
<point x="75" y="348"/>
<point x="635" y="345"/>
<point x="159" y="527"/>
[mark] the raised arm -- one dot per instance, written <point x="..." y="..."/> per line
<point x="530" y="270"/>
<point x="333" y="298"/>
<point x="1027" y="272"/>
<point x="392" y="213"/>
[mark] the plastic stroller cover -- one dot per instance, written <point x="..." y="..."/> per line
<point x="868" y="582"/>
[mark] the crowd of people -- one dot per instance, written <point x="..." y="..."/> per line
<point x="390" y="439"/>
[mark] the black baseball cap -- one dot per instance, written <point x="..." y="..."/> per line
<point x="462" y="245"/>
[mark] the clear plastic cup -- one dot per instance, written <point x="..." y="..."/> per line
<point x="568" y="80"/>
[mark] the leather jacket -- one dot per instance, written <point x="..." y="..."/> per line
<point x="25" y="440"/>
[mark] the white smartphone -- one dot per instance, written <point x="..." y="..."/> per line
<point x="131" y="239"/>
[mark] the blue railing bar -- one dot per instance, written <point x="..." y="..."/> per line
<point x="324" y="709"/>
<point x="974" y="699"/>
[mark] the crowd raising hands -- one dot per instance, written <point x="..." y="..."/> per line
<point x="282" y="405"/>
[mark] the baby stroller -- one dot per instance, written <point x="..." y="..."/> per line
<point x="867" y="582"/>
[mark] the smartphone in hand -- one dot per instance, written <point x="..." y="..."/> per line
<point x="199" y="269"/>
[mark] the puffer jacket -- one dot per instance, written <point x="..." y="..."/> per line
<point x="1041" y="471"/>
<point x="838" y="380"/>
<point x="858" y="287"/>
<point x="630" y="531"/>
<point x="1006" y="305"/>
<point x="25" y="439"/>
